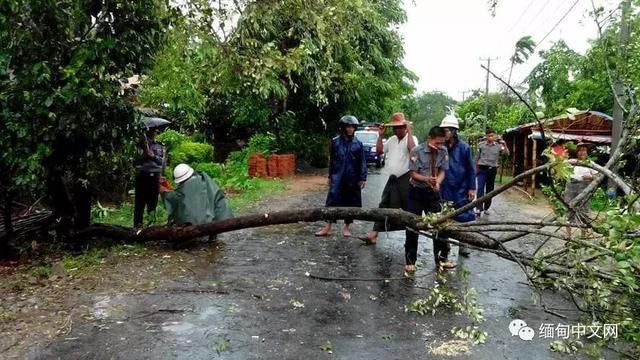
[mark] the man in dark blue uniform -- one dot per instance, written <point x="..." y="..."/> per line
<point x="459" y="186"/>
<point x="347" y="172"/>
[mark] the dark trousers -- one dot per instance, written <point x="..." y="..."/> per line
<point x="427" y="200"/>
<point x="345" y="195"/>
<point x="486" y="178"/>
<point x="147" y="186"/>
<point x="394" y="196"/>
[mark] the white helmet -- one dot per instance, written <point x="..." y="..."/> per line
<point x="450" y="120"/>
<point x="182" y="172"/>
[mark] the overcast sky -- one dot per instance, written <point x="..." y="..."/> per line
<point x="444" y="39"/>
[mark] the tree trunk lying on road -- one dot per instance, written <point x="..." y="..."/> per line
<point x="176" y="233"/>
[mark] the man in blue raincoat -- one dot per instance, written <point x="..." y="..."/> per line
<point x="459" y="186"/>
<point x="347" y="172"/>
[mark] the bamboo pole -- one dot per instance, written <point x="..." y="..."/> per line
<point x="534" y="155"/>
<point x="513" y="157"/>
<point x="525" y="160"/>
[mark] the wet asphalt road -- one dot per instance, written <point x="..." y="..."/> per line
<point x="254" y="301"/>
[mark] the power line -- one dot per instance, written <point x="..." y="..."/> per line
<point x="537" y="14"/>
<point x="520" y="17"/>
<point x="557" y="23"/>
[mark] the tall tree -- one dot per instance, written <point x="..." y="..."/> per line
<point x="64" y="124"/>
<point x="524" y="47"/>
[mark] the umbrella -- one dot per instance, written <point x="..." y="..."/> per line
<point x="153" y="122"/>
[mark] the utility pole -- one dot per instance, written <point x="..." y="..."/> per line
<point x="618" y="86"/>
<point x="464" y="92"/>
<point x="486" y="93"/>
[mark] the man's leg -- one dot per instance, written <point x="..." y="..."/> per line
<point x="153" y="191"/>
<point x="384" y="203"/>
<point x="411" y="237"/>
<point x="139" y="201"/>
<point x="490" y="184"/>
<point x="481" y="182"/>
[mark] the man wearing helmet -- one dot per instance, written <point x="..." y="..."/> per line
<point x="196" y="200"/>
<point x="459" y="185"/>
<point x="396" y="191"/>
<point x="347" y="172"/>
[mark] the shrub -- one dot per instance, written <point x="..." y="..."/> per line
<point x="263" y="143"/>
<point x="214" y="170"/>
<point x="172" y="139"/>
<point x="191" y="153"/>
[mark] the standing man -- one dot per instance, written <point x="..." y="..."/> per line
<point x="148" y="171"/>
<point x="487" y="167"/>
<point x="427" y="164"/>
<point x="396" y="192"/>
<point x="347" y="172"/>
<point x="459" y="186"/>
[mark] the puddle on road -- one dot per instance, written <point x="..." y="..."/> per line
<point x="183" y="328"/>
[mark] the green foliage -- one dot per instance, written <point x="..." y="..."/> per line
<point x="90" y="259"/>
<point x="264" y="143"/>
<point x="191" y="153"/>
<point x="123" y="215"/>
<point x="171" y="139"/>
<point x="63" y="122"/>
<point x="426" y="110"/>
<point x="290" y="68"/>
<point x="214" y="170"/>
<point x="41" y="271"/>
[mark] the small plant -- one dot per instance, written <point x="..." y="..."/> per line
<point x="326" y="347"/>
<point x="472" y="333"/>
<point x="568" y="346"/>
<point x="90" y="259"/>
<point x="100" y="212"/>
<point x="41" y="272"/>
<point x="222" y="346"/>
<point x="387" y="336"/>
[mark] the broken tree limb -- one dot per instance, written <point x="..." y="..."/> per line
<point x="490" y="195"/>
<point x="177" y="233"/>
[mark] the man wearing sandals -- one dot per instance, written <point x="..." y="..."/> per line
<point x="347" y="172"/>
<point x="427" y="164"/>
<point x="396" y="191"/>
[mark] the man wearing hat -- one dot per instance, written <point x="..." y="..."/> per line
<point x="196" y="200"/>
<point x="396" y="192"/>
<point x="459" y="185"/>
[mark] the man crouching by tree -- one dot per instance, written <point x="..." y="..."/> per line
<point x="196" y="200"/>
<point x="427" y="164"/>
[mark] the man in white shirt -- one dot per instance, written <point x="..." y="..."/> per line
<point x="396" y="192"/>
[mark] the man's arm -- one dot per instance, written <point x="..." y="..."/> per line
<point x="379" y="145"/>
<point x="504" y="148"/>
<point x="439" y="179"/>
<point x="410" y="140"/>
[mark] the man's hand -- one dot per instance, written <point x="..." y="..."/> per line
<point x="436" y="187"/>
<point x="408" y="124"/>
<point x="432" y="180"/>
<point x="150" y="153"/>
<point x="361" y="184"/>
<point x="472" y="195"/>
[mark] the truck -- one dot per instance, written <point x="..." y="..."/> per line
<point x="368" y="136"/>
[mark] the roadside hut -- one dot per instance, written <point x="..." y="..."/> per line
<point x="525" y="141"/>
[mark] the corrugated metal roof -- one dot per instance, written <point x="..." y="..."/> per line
<point x="599" y="139"/>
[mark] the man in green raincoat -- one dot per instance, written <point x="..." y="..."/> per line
<point x="196" y="200"/>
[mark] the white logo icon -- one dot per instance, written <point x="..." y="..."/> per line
<point x="515" y="326"/>
<point x="526" y="333"/>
